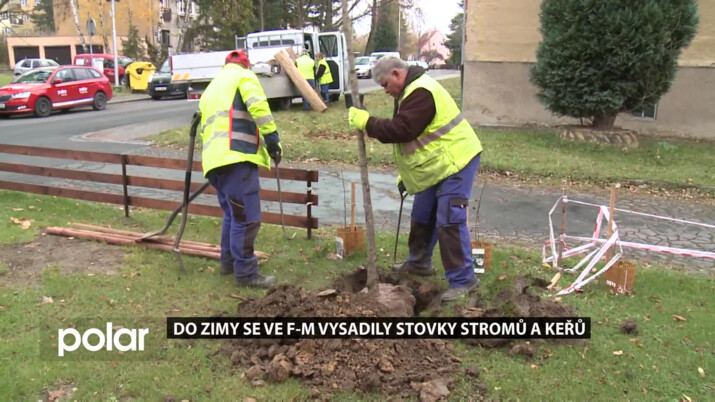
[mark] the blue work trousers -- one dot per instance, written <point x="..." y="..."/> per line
<point x="325" y="91"/>
<point x="439" y="213"/>
<point x="238" y="195"/>
<point x="306" y="105"/>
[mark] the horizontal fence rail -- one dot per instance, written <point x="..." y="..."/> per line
<point x="123" y="179"/>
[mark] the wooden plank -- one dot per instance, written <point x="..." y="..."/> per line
<point x="140" y="160"/>
<point x="62" y="173"/>
<point x="89" y="156"/>
<point x="146" y="182"/>
<point x="304" y="88"/>
<point x="198" y="209"/>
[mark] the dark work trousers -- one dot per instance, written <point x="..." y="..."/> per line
<point x="306" y="105"/>
<point x="439" y="213"/>
<point x="325" y="91"/>
<point x="238" y="194"/>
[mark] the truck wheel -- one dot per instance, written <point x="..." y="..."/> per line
<point x="43" y="107"/>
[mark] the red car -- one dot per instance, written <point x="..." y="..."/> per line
<point x="43" y="90"/>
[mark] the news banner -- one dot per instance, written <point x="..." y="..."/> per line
<point x="378" y="328"/>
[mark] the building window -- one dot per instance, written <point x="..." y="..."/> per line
<point x="25" y="17"/>
<point x="5" y="15"/>
<point x="192" y="10"/>
<point x="23" y="3"/>
<point x="646" y="111"/>
<point x="165" y="37"/>
<point x="7" y="31"/>
<point x="180" y="7"/>
<point x="164" y="3"/>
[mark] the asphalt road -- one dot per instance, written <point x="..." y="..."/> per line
<point x="119" y="127"/>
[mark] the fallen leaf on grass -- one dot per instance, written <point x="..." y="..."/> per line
<point x="54" y="395"/>
<point x="617" y="352"/>
<point x="2" y="308"/>
<point x="679" y="318"/>
<point x="333" y="257"/>
<point x="18" y="209"/>
<point x="46" y="300"/>
<point x="686" y="398"/>
<point x="501" y="277"/>
<point x="31" y="245"/>
<point x="700" y="369"/>
<point x="235" y="296"/>
<point x="23" y="222"/>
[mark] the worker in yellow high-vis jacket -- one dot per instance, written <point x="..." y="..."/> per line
<point x="437" y="156"/>
<point x="324" y="77"/>
<point x="239" y="135"/>
<point x="306" y="67"/>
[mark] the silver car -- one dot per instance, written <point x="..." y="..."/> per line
<point x="26" y="65"/>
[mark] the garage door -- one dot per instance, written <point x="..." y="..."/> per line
<point x="60" y="54"/>
<point x="26" y="52"/>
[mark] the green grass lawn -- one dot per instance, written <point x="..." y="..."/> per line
<point x="5" y="78"/>
<point x="531" y="153"/>
<point x="667" y="360"/>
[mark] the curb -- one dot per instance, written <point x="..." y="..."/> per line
<point x="129" y="98"/>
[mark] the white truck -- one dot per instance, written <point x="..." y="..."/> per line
<point x="198" y="69"/>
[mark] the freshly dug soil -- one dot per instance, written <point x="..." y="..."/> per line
<point x="392" y="367"/>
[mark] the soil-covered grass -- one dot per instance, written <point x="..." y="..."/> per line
<point x="669" y="358"/>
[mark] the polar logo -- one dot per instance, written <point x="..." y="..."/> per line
<point x="107" y="340"/>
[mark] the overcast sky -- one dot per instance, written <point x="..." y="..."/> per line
<point x="437" y="15"/>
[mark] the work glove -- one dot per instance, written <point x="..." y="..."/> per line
<point x="274" y="151"/>
<point x="358" y="118"/>
<point x="401" y="188"/>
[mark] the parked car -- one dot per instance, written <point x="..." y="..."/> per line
<point x="363" y="66"/>
<point x="26" y="65"/>
<point x="378" y="55"/>
<point x="45" y="89"/>
<point x="107" y="64"/>
<point x="418" y="63"/>
<point x="161" y="85"/>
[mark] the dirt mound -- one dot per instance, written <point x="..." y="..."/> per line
<point x="517" y="300"/>
<point x="393" y="367"/>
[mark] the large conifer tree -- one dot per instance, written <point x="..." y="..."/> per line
<point x="602" y="57"/>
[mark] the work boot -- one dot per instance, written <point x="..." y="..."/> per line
<point x="456" y="293"/>
<point x="419" y="243"/>
<point x="258" y="282"/>
<point x="409" y="267"/>
<point x="226" y="268"/>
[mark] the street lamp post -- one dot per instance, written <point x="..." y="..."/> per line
<point x="114" y="46"/>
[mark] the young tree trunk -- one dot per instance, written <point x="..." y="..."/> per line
<point x="260" y="15"/>
<point x="75" y="16"/>
<point x="105" y="40"/>
<point x="605" y="121"/>
<point x="362" y="157"/>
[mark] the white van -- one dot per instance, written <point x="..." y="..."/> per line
<point x="378" y="55"/>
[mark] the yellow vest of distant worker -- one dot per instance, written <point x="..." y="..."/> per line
<point x="444" y="148"/>
<point x="306" y="66"/>
<point x="327" y="76"/>
<point x="234" y="117"/>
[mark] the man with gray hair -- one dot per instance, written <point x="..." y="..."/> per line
<point x="437" y="156"/>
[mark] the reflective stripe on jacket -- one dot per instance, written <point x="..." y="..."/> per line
<point x="306" y="66"/>
<point x="444" y="148"/>
<point x="327" y="76"/>
<point x="236" y="121"/>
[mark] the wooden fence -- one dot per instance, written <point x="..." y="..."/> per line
<point x="126" y="181"/>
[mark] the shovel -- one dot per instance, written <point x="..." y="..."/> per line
<point x="169" y="221"/>
<point x="403" y="195"/>
<point x="187" y="187"/>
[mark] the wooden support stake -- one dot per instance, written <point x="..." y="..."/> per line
<point x="611" y="217"/>
<point x="300" y="82"/>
